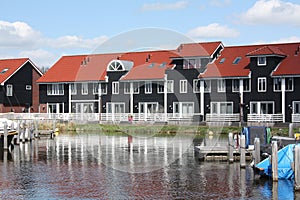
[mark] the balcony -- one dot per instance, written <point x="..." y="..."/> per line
<point x="265" y="118"/>
<point x="223" y="117"/>
<point x="296" y="118"/>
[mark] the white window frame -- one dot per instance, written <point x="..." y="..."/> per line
<point x="170" y="86"/>
<point x="110" y="107"/>
<point x="96" y="88"/>
<point x="264" y="82"/>
<point x="103" y="87"/>
<point x="115" y="87"/>
<point x="217" y="105"/>
<point x="183" y="86"/>
<point x="249" y="80"/>
<point x="126" y="87"/>
<point x="148" y="87"/>
<point x="73" y="87"/>
<point x="196" y="85"/>
<point x="258" y="106"/>
<point x="259" y="63"/>
<point x="286" y="84"/>
<point x="294" y="107"/>
<point x="180" y="105"/>
<point x="207" y="86"/>
<point x="221" y="85"/>
<point x="84" y="88"/>
<point x="160" y="87"/>
<point x="234" y="87"/>
<point x="9" y="90"/>
<point x="277" y="84"/>
<point x="136" y="87"/>
<point x="55" y="89"/>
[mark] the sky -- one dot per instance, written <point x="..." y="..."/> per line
<point x="46" y="30"/>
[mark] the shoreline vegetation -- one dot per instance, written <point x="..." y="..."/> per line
<point x="156" y="130"/>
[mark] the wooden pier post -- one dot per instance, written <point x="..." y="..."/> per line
<point x="274" y="161"/>
<point x="256" y="151"/>
<point x="23" y="132"/>
<point x="242" y="152"/>
<point x="5" y="135"/>
<point x="291" y="131"/>
<point x="297" y="167"/>
<point x="230" y="147"/>
<point x="19" y="133"/>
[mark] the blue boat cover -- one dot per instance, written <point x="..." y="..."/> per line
<point x="285" y="159"/>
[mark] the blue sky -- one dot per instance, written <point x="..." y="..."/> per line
<point x="46" y="30"/>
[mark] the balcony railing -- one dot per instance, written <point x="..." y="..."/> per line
<point x="223" y="117"/>
<point x="295" y="118"/>
<point x="265" y="117"/>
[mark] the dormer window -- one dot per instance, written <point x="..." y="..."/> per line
<point x="261" y="61"/>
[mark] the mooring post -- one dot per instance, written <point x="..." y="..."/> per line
<point x="256" y="151"/>
<point x="230" y="147"/>
<point x="19" y="133"/>
<point x="274" y="161"/>
<point x="35" y="129"/>
<point x="5" y="142"/>
<point x="242" y="152"/>
<point x="23" y="132"/>
<point x="297" y="167"/>
<point x="291" y="131"/>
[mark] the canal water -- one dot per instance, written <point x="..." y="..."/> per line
<point x="86" y="166"/>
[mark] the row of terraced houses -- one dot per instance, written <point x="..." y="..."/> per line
<point x="206" y="82"/>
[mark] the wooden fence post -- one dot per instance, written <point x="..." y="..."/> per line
<point x="242" y="152"/>
<point x="291" y="131"/>
<point x="274" y="161"/>
<point x="256" y="151"/>
<point x="230" y="147"/>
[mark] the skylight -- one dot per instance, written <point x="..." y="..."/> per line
<point x="162" y="65"/>
<point x="4" y="70"/>
<point x="222" y="60"/>
<point x="151" y="65"/>
<point x="237" y="60"/>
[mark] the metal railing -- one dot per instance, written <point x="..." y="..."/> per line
<point x="223" y="117"/>
<point x="295" y="118"/>
<point x="265" y="117"/>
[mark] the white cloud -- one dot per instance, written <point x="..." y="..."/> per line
<point x="287" y="40"/>
<point x="272" y="12"/>
<point x="164" y="6"/>
<point x="220" y="3"/>
<point x="18" y="39"/>
<point x="214" y="30"/>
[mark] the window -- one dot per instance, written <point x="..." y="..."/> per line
<point x="237" y="60"/>
<point x="115" y="66"/>
<point x="247" y="85"/>
<point x="262" y="84"/>
<point x="115" y="107"/>
<point x="115" y="87"/>
<point x="196" y="86"/>
<point x="103" y="88"/>
<point x="84" y="88"/>
<point x="9" y="90"/>
<point x="235" y="85"/>
<point x="261" y="61"/>
<point x="183" y="86"/>
<point x="148" y="87"/>
<point x="221" y="85"/>
<point x="73" y="88"/>
<point x="136" y="87"/>
<point x="160" y="87"/>
<point x="207" y="86"/>
<point x="222" y="60"/>
<point x="296" y="107"/>
<point x="191" y="63"/>
<point x="183" y="108"/>
<point x="170" y="86"/>
<point x="4" y="70"/>
<point x="289" y="84"/>
<point x="96" y="88"/>
<point x="126" y="88"/>
<point x="55" y="89"/>
<point x="264" y="107"/>
<point x="221" y="107"/>
<point x="277" y="84"/>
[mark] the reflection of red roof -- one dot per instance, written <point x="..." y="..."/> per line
<point x="74" y="68"/>
<point x="197" y="49"/>
<point x="10" y="66"/>
<point x="266" y="50"/>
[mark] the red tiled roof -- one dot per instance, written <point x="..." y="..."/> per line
<point x="290" y="66"/>
<point x="12" y="65"/>
<point x="72" y="68"/>
<point x="147" y="71"/>
<point x="197" y="49"/>
<point x="267" y="50"/>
